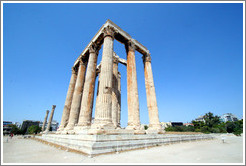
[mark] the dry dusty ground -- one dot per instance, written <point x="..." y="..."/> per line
<point x="19" y="150"/>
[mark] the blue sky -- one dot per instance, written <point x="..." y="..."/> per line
<point x="196" y="49"/>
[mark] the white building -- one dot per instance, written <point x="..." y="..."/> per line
<point x="200" y="118"/>
<point x="54" y="125"/>
<point x="228" y="117"/>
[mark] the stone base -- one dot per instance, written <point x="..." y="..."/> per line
<point x="103" y="143"/>
<point x="154" y="131"/>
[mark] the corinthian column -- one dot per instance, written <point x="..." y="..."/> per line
<point x="154" y="122"/>
<point x="89" y="87"/>
<point x="45" y="119"/>
<point x="119" y="99"/>
<point x="77" y="95"/>
<point x="115" y="92"/>
<point x="50" y="119"/>
<point x="103" y="116"/>
<point x="68" y="102"/>
<point x="132" y="89"/>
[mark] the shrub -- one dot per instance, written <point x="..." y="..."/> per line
<point x="197" y="130"/>
<point x="34" y="129"/>
<point x="215" y="130"/>
<point x="205" y="129"/>
<point x="15" y="129"/>
<point x="230" y="127"/>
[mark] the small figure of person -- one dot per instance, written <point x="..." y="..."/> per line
<point x="11" y="135"/>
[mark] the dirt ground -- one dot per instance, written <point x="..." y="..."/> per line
<point x="19" y="150"/>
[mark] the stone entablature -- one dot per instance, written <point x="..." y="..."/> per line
<point x="120" y="36"/>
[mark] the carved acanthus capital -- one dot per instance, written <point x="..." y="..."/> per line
<point x="74" y="70"/>
<point x="108" y="31"/>
<point x="93" y="48"/>
<point x="82" y="61"/>
<point x="130" y="46"/>
<point x="147" y="58"/>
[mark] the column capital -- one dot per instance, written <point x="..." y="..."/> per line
<point x="47" y="111"/>
<point x="93" y="48"/>
<point x="108" y="31"/>
<point x="53" y="106"/>
<point x="130" y="46"/>
<point x="82" y="61"/>
<point x="146" y="58"/>
<point x="74" y="70"/>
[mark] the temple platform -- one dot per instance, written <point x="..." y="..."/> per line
<point x="102" y="143"/>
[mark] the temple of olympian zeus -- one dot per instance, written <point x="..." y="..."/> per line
<point x="78" y="132"/>
<point x="77" y="113"/>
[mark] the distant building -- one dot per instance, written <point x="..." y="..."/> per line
<point x="173" y="124"/>
<point x="228" y="117"/>
<point x="27" y="123"/>
<point x="54" y="125"/>
<point x="200" y="118"/>
<point x="6" y="128"/>
<point x="5" y="123"/>
<point x="188" y="124"/>
<point x="165" y="124"/>
<point x="18" y="124"/>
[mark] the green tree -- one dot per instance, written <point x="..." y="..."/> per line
<point x="230" y="127"/>
<point x="34" y="129"/>
<point x="211" y="120"/>
<point x="198" y="124"/>
<point x="15" y="129"/>
<point x="210" y="124"/>
<point x="222" y="127"/>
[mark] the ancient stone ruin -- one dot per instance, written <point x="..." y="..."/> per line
<point x="104" y="134"/>
<point x="77" y="113"/>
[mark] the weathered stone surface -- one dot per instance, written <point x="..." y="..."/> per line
<point x="119" y="99"/>
<point x="103" y="143"/>
<point x="88" y="93"/>
<point x="103" y="116"/>
<point x="68" y="102"/>
<point x="154" y="123"/>
<point x="132" y="89"/>
<point x="45" y="120"/>
<point x="50" y="119"/>
<point x="108" y="104"/>
<point x="75" y="107"/>
<point x="115" y="92"/>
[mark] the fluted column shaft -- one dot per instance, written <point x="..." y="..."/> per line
<point x="75" y="107"/>
<point x="119" y="99"/>
<point x="89" y="87"/>
<point x="115" y="93"/>
<point x="45" y="120"/>
<point x="68" y="102"/>
<point x="154" y="122"/>
<point x="132" y="89"/>
<point x="104" y="99"/>
<point x="51" y="118"/>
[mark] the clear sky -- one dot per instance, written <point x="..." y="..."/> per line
<point x="196" y="49"/>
